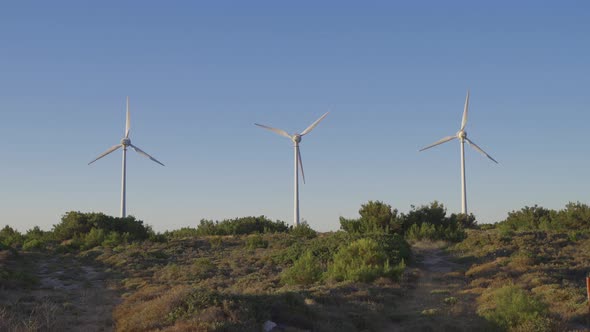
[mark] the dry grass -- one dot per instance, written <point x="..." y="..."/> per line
<point x="551" y="266"/>
<point x="233" y="284"/>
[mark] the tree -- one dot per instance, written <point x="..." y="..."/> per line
<point x="376" y="217"/>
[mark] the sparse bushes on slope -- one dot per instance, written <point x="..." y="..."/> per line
<point x="185" y="232"/>
<point x="575" y="216"/>
<point x="201" y="309"/>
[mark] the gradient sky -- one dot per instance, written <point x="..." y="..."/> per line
<point x="200" y="74"/>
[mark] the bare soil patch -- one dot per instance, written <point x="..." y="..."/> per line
<point x="66" y="294"/>
<point x="433" y="299"/>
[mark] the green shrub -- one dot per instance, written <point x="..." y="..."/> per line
<point x="323" y="247"/>
<point x="376" y="217"/>
<point x="33" y="244"/>
<point x="573" y="216"/>
<point x="305" y="271"/>
<point x="114" y="239"/>
<point x="527" y="218"/>
<point x="363" y="260"/>
<point x="77" y="223"/>
<point x="424" y="222"/>
<point x="185" y="232"/>
<point x="10" y="237"/>
<point x="426" y="231"/>
<point x="420" y="232"/>
<point x="42" y="237"/>
<point x="513" y="307"/>
<point x="303" y="231"/>
<point x="256" y="241"/>
<point x="451" y="300"/>
<point x="485" y="227"/>
<point x="241" y="226"/>
<point x="93" y="239"/>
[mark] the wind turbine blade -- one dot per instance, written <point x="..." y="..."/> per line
<point x="465" y="111"/>
<point x="105" y="153"/>
<point x="313" y="125"/>
<point x="301" y="165"/>
<point x="127" y="122"/>
<point x="141" y="152"/>
<point x="441" y="141"/>
<point x="480" y="150"/>
<point x="275" y="130"/>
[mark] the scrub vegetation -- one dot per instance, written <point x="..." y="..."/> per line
<point x="383" y="271"/>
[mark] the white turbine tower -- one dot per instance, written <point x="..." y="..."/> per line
<point x="462" y="136"/>
<point x="296" y="138"/>
<point x="125" y="142"/>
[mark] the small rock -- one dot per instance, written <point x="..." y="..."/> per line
<point x="268" y="326"/>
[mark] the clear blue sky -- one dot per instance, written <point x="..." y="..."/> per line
<point x="200" y="73"/>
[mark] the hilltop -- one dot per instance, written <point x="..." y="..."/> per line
<point x="421" y="271"/>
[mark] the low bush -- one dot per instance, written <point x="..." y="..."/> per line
<point x="80" y="224"/>
<point x="185" y="232"/>
<point x="429" y="222"/>
<point x="303" y="231"/>
<point x="94" y="238"/>
<point x="241" y="226"/>
<point x="114" y="239"/>
<point x="376" y="217"/>
<point x="512" y="307"/>
<point x="427" y="231"/>
<point x="34" y="244"/>
<point x="256" y="241"/>
<point x="305" y="271"/>
<point x="10" y="237"/>
<point x="572" y="216"/>
<point x="363" y="260"/>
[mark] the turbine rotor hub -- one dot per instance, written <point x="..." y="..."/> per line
<point x="126" y="142"/>
<point x="462" y="134"/>
<point x="297" y="138"/>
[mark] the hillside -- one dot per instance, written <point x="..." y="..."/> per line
<point x="495" y="278"/>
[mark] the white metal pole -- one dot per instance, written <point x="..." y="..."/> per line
<point x="463" y="185"/>
<point x="296" y="209"/>
<point x="123" y="182"/>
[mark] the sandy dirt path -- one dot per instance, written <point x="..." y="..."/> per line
<point x="433" y="300"/>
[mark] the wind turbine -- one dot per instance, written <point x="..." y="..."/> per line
<point x="125" y="142"/>
<point x="462" y="136"/>
<point x="296" y="139"/>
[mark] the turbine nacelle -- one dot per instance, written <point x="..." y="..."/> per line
<point x="461" y="134"/>
<point x="296" y="139"/>
<point x="126" y="142"/>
